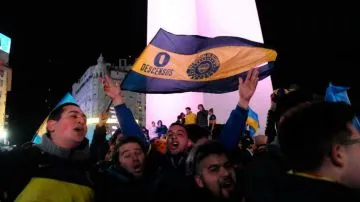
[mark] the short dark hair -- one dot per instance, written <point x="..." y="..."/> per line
<point x="307" y="133"/>
<point x="177" y="124"/>
<point x="115" y="135"/>
<point x="292" y="99"/>
<point x="199" y="153"/>
<point x="196" y="132"/>
<point x="284" y="102"/>
<point x="181" y="125"/>
<point x="55" y="114"/>
<point x="188" y="108"/>
<point x="125" y="140"/>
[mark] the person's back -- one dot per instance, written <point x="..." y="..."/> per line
<point x="202" y="117"/>
<point x="309" y="189"/>
<point x="263" y="173"/>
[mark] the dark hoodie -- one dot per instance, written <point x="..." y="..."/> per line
<point x="47" y="172"/>
<point x="303" y="189"/>
<point x="206" y="195"/>
<point x="202" y="118"/>
<point x="116" y="184"/>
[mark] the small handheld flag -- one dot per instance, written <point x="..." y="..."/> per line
<point x="339" y="94"/>
<point x="253" y="122"/>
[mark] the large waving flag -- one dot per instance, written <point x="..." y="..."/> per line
<point x="253" y="122"/>
<point x="182" y="63"/>
<point x="339" y="94"/>
<point x="68" y="98"/>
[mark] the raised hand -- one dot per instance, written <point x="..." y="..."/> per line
<point x="103" y="118"/>
<point x="112" y="90"/>
<point x="247" y="87"/>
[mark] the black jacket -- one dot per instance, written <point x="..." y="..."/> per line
<point x="302" y="189"/>
<point x="172" y="184"/>
<point x="42" y="162"/>
<point x="262" y="174"/>
<point x="99" y="145"/>
<point x="202" y="118"/>
<point x="116" y="184"/>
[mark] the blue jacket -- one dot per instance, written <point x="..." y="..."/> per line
<point x="229" y="137"/>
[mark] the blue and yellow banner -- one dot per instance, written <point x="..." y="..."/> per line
<point x="339" y="94"/>
<point x="184" y="63"/>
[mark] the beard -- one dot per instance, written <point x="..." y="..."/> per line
<point x="224" y="184"/>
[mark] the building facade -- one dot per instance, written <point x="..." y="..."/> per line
<point x="89" y="93"/>
<point x="5" y="84"/>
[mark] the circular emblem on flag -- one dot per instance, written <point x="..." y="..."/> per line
<point x="204" y="66"/>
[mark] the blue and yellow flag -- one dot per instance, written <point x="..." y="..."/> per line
<point x="253" y="122"/>
<point x="68" y="98"/>
<point x="339" y="94"/>
<point x="189" y="63"/>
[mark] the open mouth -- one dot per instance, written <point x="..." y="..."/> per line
<point x="174" y="145"/>
<point x="137" y="168"/>
<point x="227" y="184"/>
<point x="78" y="129"/>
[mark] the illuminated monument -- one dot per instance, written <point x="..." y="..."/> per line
<point x="208" y="18"/>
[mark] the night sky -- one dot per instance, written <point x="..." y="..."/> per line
<point x="53" y="45"/>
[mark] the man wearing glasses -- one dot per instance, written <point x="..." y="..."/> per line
<point x="323" y="149"/>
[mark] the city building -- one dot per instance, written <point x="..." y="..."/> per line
<point x="5" y="84"/>
<point x="88" y="91"/>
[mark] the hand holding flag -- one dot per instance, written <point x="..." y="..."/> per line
<point x="113" y="90"/>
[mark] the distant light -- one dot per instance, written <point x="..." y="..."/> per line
<point x="96" y="120"/>
<point x="3" y="134"/>
<point x="5" y="43"/>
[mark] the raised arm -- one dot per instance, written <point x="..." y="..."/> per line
<point x="235" y="125"/>
<point x="125" y="117"/>
<point x="99" y="146"/>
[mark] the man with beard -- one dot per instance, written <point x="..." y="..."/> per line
<point x="126" y="177"/>
<point x="215" y="177"/>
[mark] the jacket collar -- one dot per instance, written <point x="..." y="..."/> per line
<point x="80" y="153"/>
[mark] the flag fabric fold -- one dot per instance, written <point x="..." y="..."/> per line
<point x="189" y="63"/>
<point x="339" y="94"/>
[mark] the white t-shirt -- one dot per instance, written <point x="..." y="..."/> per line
<point x="152" y="133"/>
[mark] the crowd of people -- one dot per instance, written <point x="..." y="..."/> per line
<point x="309" y="153"/>
<point x="204" y="118"/>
